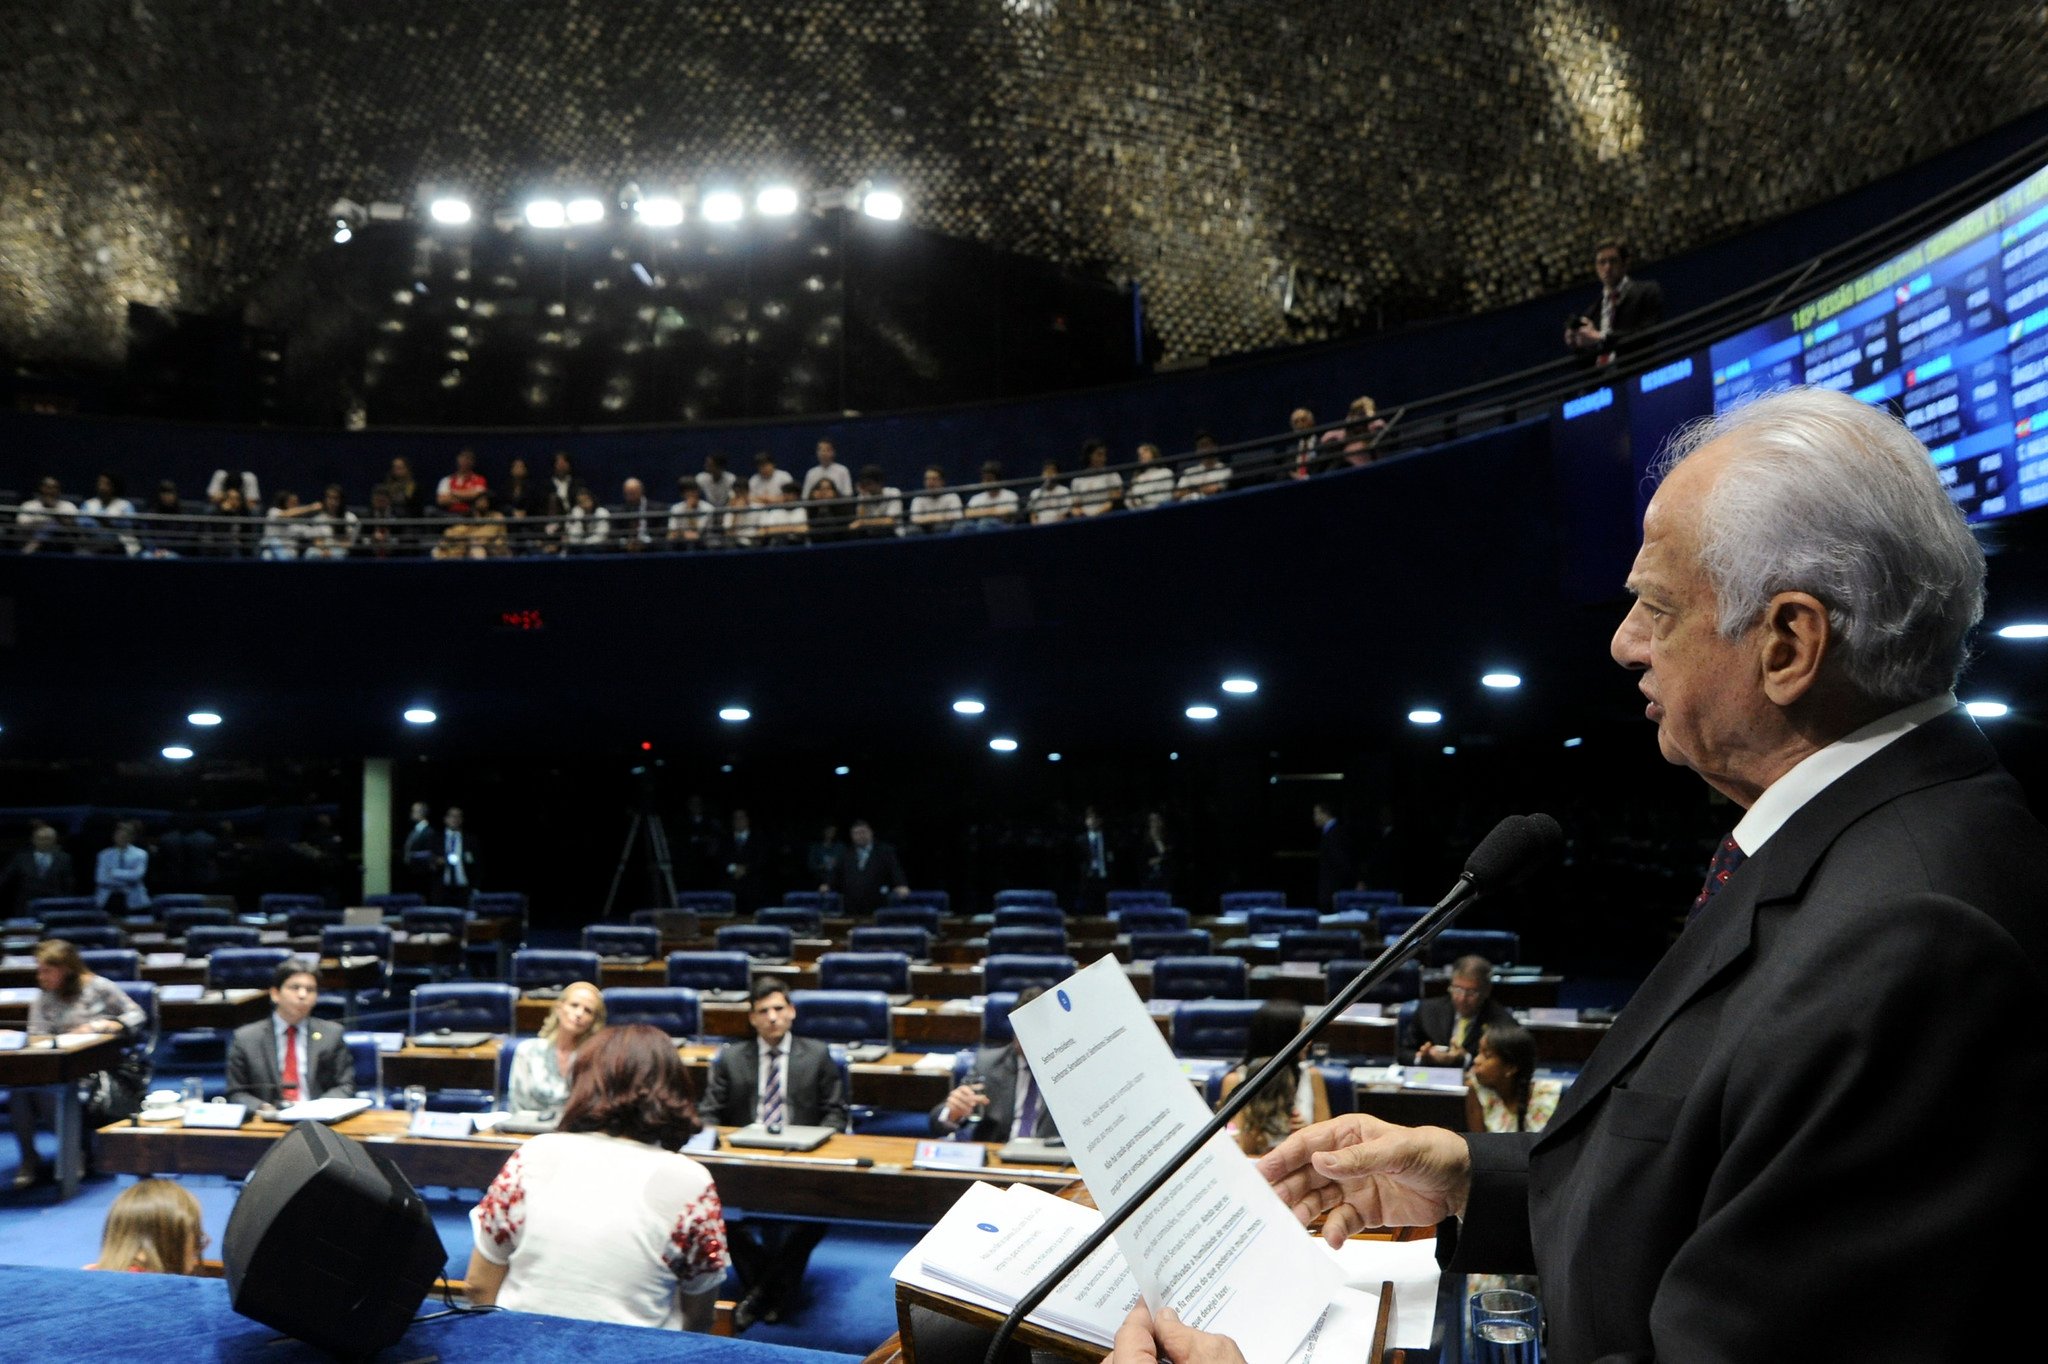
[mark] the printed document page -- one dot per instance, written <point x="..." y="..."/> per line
<point x="1216" y="1244"/>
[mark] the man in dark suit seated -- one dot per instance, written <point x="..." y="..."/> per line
<point x="778" y="1079"/>
<point x="999" y="1101"/>
<point x="869" y="875"/>
<point x="1776" y="1131"/>
<point x="291" y="1055"/>
<point x="40" y="869"/>
<point x="1444" y="1030"/>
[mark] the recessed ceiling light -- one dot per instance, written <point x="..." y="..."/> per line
<point x="659" y="212"/>
<point x="1573" y="743"/>
<point x="546" y="213"/>
<point x="776" y="201"/>
<point x="202" y="717"/>
<point x="453" y="212"/>
<point x="967" y="705"/>
<point x="841" y="771"/>
<point x="177" y="753"/>
<point x="1240" y="686"/>
<point x="726" y="768"/>
<point x="2025" y="629"/>
<point x="420" y="715"/>
<point x="882" y="203"/>
<point x="584" y="210"/>
<point x="1173" y="757"/>
<point x="1052" y="757"/>
<point x="1424" y="717"/>
<point x="1200" y="712"/>
<point x="1988" y="710"/>
<point x="1501" y="681"/>
<point x="1449" y="749"/>
<point x="735" y="714"/>
<point x="723" y="206"/>
<point x="1003" y="745"/>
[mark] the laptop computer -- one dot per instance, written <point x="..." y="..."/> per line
<point x="1034" y="1151"/>
<point x="788" y="1139"/>
<point x="363" y="916"/>
<point x="444" y="1038"/>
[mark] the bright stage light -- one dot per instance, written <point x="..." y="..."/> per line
<point x="453" y="212"/>
<point x="1003" y="745"/>
<point x="662" y="212"/>
<point x="584" y="210"/>
<point x="1240" y="686"/>
<point x="547" y="213"/>
<point x="734" y="714"/>
<point x="882" y="203"/>
<point x="177" y="753"/>
<point x="203" y="718"/>
<point x="1988" y="710"/>
<point x="723" y="206"/>
<point x="420" y="715"/>
<point x="776" y="201"/>
<point x="1201" y="712"/>
<point x="1424" y="716"/>
<point x="1501" y="681"/>
<point x="967" y="705"/>
<point x="2024" y="630"/>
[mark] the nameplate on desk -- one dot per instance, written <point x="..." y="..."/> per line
<point x="163" y="959"/>
<point x="14" y="963"/>
<point x="12" y="1039"/>
<point x="179" y="994"/>
<point x="19" y="994"/>
<point x="1551" y="1015"/>
<point x="1445" y="1079"/>
<point x="1312" y="970"/>
<point x="1364" y="1012"/>
<point x="950" y="1155"/>
<point x="216" y="1115"/>
<point x="427" y="1123"/>
<point x="1161" y="1008"/>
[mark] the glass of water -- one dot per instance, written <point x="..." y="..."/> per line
<point x="1507" y="1327"/>
<point x="415" y="1101"/>
<point x="192" y="1092"/>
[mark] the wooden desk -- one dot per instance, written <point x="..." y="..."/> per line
<point x="440" y="1067"/>
<point x="766" y="1182"/>
<point x="223" y="1011"/>
<point x="58" y="1069"/>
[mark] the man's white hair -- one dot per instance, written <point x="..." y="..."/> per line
<point x="1828" y="495"/>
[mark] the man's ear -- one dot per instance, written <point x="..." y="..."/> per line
<point x="1793" y="640"/>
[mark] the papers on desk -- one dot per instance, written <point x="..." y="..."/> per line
<point x="72" y="1041"/>
<point x="19" y="994"/>
<point x="322" y="1110"/>
<point x="1364" y="1012"/>
<point x="1541" y="1015"/>
<point x="1438" y="1079"/>
<point x="12" y="1039"/>
<point x="15" y="963"/>
<point x="1215" y="1244"/>
<point x="383" y="1041"/>
<point x="1312" y="970"/>
<point x="163" y="959"/>
<point x="950" y="1155"/>
<point x="182" y="994"/>
<point x="939" y="1062"/>
<point x="216" y="1114"/>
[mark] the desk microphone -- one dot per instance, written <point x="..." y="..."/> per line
<point x="1518" y="846"/>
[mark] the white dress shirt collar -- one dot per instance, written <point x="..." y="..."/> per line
<point x="1816" y="772"/>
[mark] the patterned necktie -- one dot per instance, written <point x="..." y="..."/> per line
<point x="1027" y="1109"/>
<point x="291" y="1065"/>
<point x="1727" y="858"/>
<point x="771" y="1090"/>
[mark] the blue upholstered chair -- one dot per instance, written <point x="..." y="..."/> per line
<point x="1006" y="898"/>
<point x="1199" y="978"/>
<point x="390" y="902"/>
<point x="356" y="940"/>
<point x="177" y="899"/>
<point x="541" y="968"/>
<point x="1030" y="916"/>
<point x="923" y="899"/>
<point x="1016" y="971"/>
<point x="803" y="921"/>
<point x="284" y="902"/>
<point x="675" y="1009"/>
<point x="618" y="940"/>
<point x="1152" y="919"/>
<point x="91" y="935"/>
<point x="1374" y="900"/>
<point x="177" y="922"/>
<point x="1320" y="944"/>
<point x="1404" y="984"/>
<point x="498" y="904"/>
<point x="1213" y="1027"/>
<point x="1267" y="919"/>
<point x="58" y="922"/>
<point x="43" y="906"/>
<point x="143" y="993"/>
<point x="915" y="943"/>
<point x="244" y="968"/>
<point x="995" y="1017"/>
<point x="1496" y="945"/>
<point x="207" y="939"/>
<point x="307" y="921"/>
<point x="1182" y="942"/>
<point x="828" y="903"/>
<point x="434" y="919"/>
<point x="1040" y="941"/>
<point x="1244" y="901"/>
<point x="925" y="917"/>
<point x="114" y="963"/>
<point x="1118" y="901"/>
<point x="1398" y="919"/>
<point x="850" y="1017"/>
<point x="759" y="941"/>
<point x="712" y="904"/>
<point x="706" y="971"/>
<point x="888" y="972"/>
<point x="465" y="1006"/>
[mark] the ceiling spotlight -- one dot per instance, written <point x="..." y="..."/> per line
<point x="547" y="213"/>
<point x="1424" y="717"/>
<point x="723" y="206"/>
<point x="2024" y="630"/>
<point x="453" y="212"/>
<point x="1240" y="686"/>
<point x="967" y="705"/>
<point x="420" y="715"/>
<point x="203" y="718"/>
<point x="735" y="714"/>
<point x="662" y="212"/>
<point x="882" y="203"/>
<point x="1501" y="681"/>
<point x="1003" y="745"/>
<point x="776" y="201"/>
<point x="726" y="768"/>
<point x="1988" y="710"/>
<point x="343" y="233"/>
<point x="1201" y="712"/>
<point x="1052" y="757"/>
<point x="585" y="210"/>
<point x="177" y="753"/>
<point x="1173" y="757"/>
<point x="841" y="771"/>
<point x="1573" y="742"/>
<point x="1450" y="749"/>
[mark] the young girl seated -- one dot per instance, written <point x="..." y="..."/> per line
<point x="152" y="1228"/>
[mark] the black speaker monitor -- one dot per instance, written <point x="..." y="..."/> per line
<point x="330" y="1245"/>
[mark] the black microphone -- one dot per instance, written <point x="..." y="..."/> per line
<point x="1518" y="846"/>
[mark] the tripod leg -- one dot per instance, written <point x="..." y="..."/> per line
<point x="657" y="845"/>
<point x="625" y="856"/>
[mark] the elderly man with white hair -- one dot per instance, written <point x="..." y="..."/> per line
<point x="1776" y="1152"/>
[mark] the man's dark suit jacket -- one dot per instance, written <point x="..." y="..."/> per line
<point x="29" y="884"/>
<point x="254" y="1076"/>
<point x="1435" y="1017"/>
<point x="814" y="1096"/>
<point x="998" y="1066"/>
<point x="1785" y="1125"/>
<point x="1640" y="305"/>
<point x="1336" y="864"/>
<point x="867" y="890"/>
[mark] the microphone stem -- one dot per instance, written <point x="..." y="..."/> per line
<point x="1392" y="956"/>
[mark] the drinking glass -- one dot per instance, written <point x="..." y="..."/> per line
<point x="1506" y="1327"/>
<point x="192" y="1092"/>
<point x="415" y="1101"/>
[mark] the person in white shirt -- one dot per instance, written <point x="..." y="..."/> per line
<point x="742" y="519"/>
<point x="1098" y="490"/>
<point x="767" y="479"/>
<point x="588" y="526"/>
<point x="828" y="466"/>
<point x="935" y="509"/>
<point x="106" y="518"/>
<point x="690" y="520"/>
<point x="1152" y="485"/>
<point x="1049" y="501"/>
<point x="284" y="535"/>
<point x="878" y="512"/>
<point x="332" y="530"/>
<point x="781" y="520"/>
<point x="992" y="507"/>
<point x="246" y="481"/>
<point x="1209" y="477"/>
<point x="120" y="869"/>
<point x="715" y="482"/>
<point x="45" y="519"/>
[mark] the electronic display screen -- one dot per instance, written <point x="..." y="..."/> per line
<point x="1951" y="334"/>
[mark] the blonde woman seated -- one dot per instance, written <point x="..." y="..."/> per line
<point x="1292" y="1099"/>
<point x="542" y="1067"/>
<point x="605" y="1219"/>
<point x="152" y="1228"/>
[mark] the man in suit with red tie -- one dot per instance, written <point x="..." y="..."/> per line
<point x="1776" y="1133"/>
<point x="277" y="1061"/>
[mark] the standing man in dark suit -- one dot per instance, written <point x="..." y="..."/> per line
<point x="419" y="853"/>
<point x="454" y="862"/>
<point x="40" y="869"/>
<point x="1093" y="858"/>
<point x="700" y="842"/>
<point x="744" y="859"/>
<point x="1776" y="1133"/>
<point x="1336" y="862"/>
<point x="1445" y="1029"/>
<point x="277" y="1061"/>
<point x="778" y="1079"/>
<point x="869" y="874"/>
<point x="1625" y="309"/>
<point x="1000" y="1100"/>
